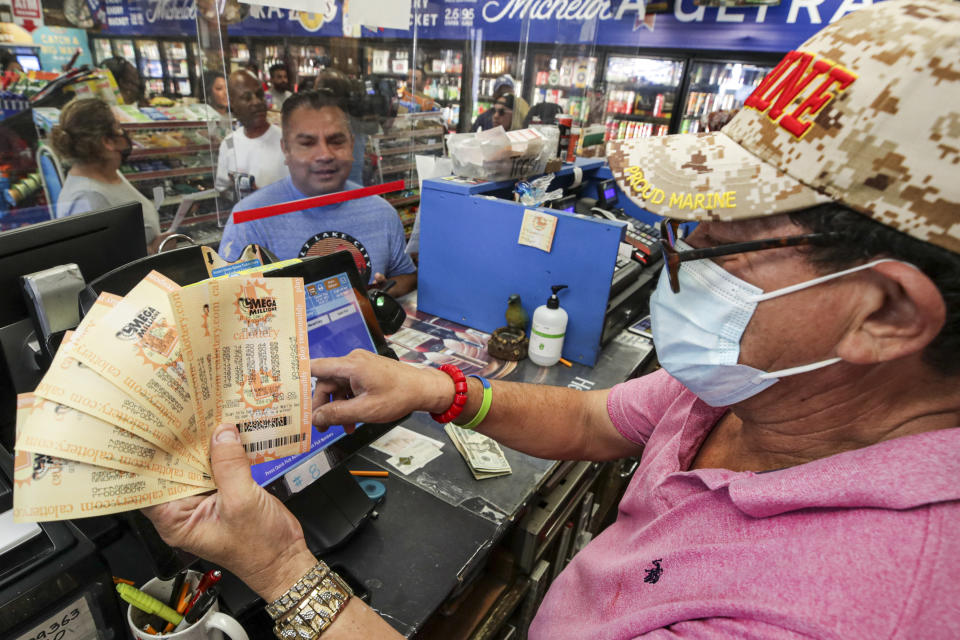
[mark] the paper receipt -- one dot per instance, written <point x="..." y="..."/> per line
<point x="52" y="488"/>
<point x="262" y="363"/>
<point x="136" y="347"/>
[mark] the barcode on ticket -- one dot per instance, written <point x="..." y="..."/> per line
<point x="262" y="445"/>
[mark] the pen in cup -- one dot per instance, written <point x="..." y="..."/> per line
<point x="209" y="579"/>
<point x="175" y="592"/>
<point x="200" y="607"/>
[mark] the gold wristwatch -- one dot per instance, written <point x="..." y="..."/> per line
<point x="311" y="605"/>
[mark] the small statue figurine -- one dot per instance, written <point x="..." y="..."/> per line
<point x="510" y="342"/>
<point x="516" y="316"/>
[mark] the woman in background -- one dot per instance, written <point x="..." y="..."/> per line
<point x="215" y="95"/>
<point x="215" y="87"/>
<point x="91" y="140"/>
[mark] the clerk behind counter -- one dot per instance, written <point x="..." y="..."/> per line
<point x="91" y="139"/>
<point x="798" y="450"/>
<point x="318" y="147"/>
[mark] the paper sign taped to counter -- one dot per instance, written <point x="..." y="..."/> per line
<point x="537" y="230"/>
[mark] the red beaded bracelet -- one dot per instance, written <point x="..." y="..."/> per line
<point x="459" y="398"/>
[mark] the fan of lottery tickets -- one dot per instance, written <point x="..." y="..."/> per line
<point x="122" y="420"/>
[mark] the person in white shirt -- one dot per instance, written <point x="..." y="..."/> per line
<point x="254" y="148"/>
<point x="279" y="86"/>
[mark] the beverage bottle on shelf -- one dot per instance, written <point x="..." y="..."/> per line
<point x="658" y="105"/>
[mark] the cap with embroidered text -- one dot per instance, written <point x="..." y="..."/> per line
<point x="865" y="113"/>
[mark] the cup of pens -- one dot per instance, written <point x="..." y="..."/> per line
<point x="184" y="608"/>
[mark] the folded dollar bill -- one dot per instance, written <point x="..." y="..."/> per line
<point x="482" y="454"/>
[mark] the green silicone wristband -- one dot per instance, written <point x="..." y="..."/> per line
<point x="484" y="404"/>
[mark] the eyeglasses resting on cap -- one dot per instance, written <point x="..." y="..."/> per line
<point x="672" y="257"/>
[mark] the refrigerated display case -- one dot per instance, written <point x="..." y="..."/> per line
<point x="715" y="86"/>
<point x="641" y="94"/>
<point x="197" y="66"/>
<point x="151" y="66"/>
<point x="177" y="68"/>
<point x="494" y="64"/>
<point x="444" y="70"/>
<point x="566" y="81"/>
<point x="125" y="49"/>
<point x="102" y="50"/>
<point x="442" y="66"/>
<point x="304" y="61"/>
<point x="385" y="60"/>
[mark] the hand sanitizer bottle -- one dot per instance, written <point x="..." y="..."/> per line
<point x="547" y="331"/>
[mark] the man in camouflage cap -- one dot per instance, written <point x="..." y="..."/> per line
<point x="799" y="470"/>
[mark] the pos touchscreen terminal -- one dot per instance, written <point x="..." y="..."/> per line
<point x="324" y="496"/>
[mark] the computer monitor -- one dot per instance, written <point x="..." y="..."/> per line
<point x="340" y="319"/>
<point x="607" y="194"/>
<point x="29" y="61"/>
<point x="97" y="242"/>
<point x="567" y="203"/>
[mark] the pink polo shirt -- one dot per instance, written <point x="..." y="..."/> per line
<point x="864" y="544"/>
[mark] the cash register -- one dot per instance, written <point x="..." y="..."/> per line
<point x="638" y="261"/>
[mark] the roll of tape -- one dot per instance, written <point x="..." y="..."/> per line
<point x="577" y="177"/>
<point x="373" y="488"/>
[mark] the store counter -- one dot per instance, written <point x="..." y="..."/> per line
<point x="436" y="526"/>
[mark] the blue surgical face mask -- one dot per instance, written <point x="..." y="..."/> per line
<point x="697" y="331"/>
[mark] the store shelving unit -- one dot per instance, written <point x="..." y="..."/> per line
<point x="565" y="81"/>
<point x="395" y="151"/>
<point x="239" y="55"/>
<point x="154" y="164"/>
<point x="444" y="71"/>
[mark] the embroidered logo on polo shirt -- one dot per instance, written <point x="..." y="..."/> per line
<point x="654" y="573"/>
<point x="329" y="242"/>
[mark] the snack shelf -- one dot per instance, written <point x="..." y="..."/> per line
<point x="165" y="124"/>
<point x="178" y="199"/>
<point x="416" y="149"/>
<point x="167" y="151"/>
<point x="411" y="133"/>
<point x="400" y="168"/>
<point x="399" y="202"/>
<point x="640" y="117"/>
<point x="168" y="173"/>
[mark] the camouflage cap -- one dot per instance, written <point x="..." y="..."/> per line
<point x="866" y="113"/>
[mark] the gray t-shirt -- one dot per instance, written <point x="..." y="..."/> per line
<point x="81" y="194"/>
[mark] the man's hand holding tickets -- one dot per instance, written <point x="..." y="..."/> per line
<point x="123" y="418"/>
